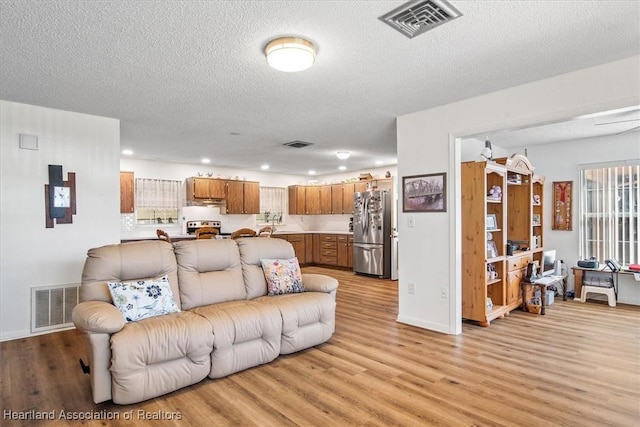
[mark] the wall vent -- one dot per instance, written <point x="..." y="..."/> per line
<point x="416" y="17"/>
<point x="298" y="144"/>
<point x="51" y="306"/>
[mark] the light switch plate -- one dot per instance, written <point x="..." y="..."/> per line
<point x="411" y="221"/>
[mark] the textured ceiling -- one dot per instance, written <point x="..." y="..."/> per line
<point x="189" y="79"/>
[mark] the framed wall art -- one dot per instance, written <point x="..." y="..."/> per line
<point x="562" y="205"/>
<point x="424" y="193"/>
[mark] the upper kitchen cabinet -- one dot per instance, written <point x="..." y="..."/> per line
<point x="312" y="200"/>
<point x="347" y="198"/>
<point x="325" y="200"/>
<point x="126" y="192"/>
<point x="243" y="197"/>
<point x="297" y="194"/>
<point x="205" y="189"/>
<point x="337" y="198"/>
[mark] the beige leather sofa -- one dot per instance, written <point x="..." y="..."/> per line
<point x="226" y="322"/>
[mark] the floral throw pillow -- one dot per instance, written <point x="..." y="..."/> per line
<point x="283" y="276"/>
<point x="142" y="299"/>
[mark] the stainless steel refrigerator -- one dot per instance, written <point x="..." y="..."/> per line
<point x="372" y="233"/>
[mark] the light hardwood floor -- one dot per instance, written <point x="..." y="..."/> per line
<point x="577" y="366"/>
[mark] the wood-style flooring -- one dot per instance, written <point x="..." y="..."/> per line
<point x="577" y="366"/>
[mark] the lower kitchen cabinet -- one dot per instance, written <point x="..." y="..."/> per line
<point x="321" y="249"/>
<point x="345" y="251"/>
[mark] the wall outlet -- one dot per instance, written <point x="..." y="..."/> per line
<point x="412" y="288"/>
<point x="411" y="221"/>
<point x="444" y="293"/>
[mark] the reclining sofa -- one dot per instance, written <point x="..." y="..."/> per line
<point x="225" y="319"/>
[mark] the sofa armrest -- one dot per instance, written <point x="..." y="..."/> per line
<point x="319" y="283"/>
<point x="97" y="317"/>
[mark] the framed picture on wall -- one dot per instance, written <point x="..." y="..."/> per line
<point x="424" y="193"/>
<point x="562" y="209"/>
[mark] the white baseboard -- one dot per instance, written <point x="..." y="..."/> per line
<point x="437" y="327"/>
<point x="27" y="334"/>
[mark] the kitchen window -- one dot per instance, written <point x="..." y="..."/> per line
<point x="609" y="220"/>
<point x="273" y="202"/>
<point x="157" y="201"/>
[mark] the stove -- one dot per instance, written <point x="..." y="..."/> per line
<point x="192" y="226"/>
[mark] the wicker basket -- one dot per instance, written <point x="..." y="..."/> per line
<point x="534" y="308"/>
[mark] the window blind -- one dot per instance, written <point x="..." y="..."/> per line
<point x="609" y="220"/>
<point x="157" y="193"/>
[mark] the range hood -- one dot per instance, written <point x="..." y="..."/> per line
<point x="217" y="203"/>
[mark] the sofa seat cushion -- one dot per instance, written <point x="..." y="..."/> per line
<point x="308" y="319"/>
<point x="246" y="334"/>
<point x="158" y="355"/>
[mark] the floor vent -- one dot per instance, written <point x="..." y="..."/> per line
<point x="298" y="144"/>
<point x="51" y="306"/>
<point x="417" y="17"/>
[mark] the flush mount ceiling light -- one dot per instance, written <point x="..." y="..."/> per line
<point x="343" y="155"/>
<point x="127" y="152"/>
<point x="290" y="54"/>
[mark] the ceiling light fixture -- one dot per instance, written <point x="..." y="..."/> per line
<point x="127" y="152"/>
<point x="205" y="160"/>
<point x="342" y="168"/>
<point x="343" y="155"/>
<point x="264" y="167"/>
<point x="290" y="54"/>
<point x="312" y="172"/>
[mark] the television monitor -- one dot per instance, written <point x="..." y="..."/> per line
<point x="548" y="262"/>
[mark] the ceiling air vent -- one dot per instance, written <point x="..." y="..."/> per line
<point x="298" y="144"/>
<point x="417" y="17"/>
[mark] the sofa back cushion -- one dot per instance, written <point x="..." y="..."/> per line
<point x="252" y="250"/>
<point x="127" y="262"/>
<point x="209" y="272"/>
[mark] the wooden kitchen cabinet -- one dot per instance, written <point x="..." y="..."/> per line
<point x="328" y="249"/>
<point x="297" y="196"/>
<point x="205" y="188"/>
<point x="299" y="243"/>
<point x="345" y="251"/>
<point x="337" y="198"/>
<point x="312" y="200"/>
<point x="251" y="197"/>
<point x="325" y="200"/>
<point x="308" y="248"/>
<point x="347" y="198"/>
<point x="242" y="197"/>
<point x="127" y="191"/>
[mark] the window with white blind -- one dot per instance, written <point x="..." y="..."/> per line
<point x="273" y="204"/>
<point x="157" y="201"/>
<point x="609" y="220"/>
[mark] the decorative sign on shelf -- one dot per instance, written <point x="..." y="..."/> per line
<point x="562" y="200"/>
<point x="59" y="197"/>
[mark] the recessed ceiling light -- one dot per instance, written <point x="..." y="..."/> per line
<point x="127" y="152"/>
<point x="290" y="54"/>
<point x="343" y="155"/>
<point x="264" y="167"/>
<point x="205" y="160"/>
<point x="379" y="162"/>
<point x="312" y="172"/>
<point x="342" y="167"/>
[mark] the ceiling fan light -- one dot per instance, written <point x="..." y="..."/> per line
<point x="343" y="155"/>
<point x="290" y="54"/>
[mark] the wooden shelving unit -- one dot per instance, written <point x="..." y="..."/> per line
<point x="486" y="295"/>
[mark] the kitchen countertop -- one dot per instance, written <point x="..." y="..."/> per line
<point x="348" y="233"/>
<point x="148" y="236"/>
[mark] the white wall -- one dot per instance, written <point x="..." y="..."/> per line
<point x="559" y="162"/>
<point x="428" y="142"/>
<point x="30" y="254"/>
